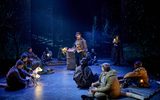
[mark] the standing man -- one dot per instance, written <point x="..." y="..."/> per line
<point x="80" y="47"/>
<point x="116" y="54"/>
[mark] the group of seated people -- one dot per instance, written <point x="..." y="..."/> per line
<point x="20" y="75"/>
<point x="108" y="85"/>
<point x="105" y="86"/>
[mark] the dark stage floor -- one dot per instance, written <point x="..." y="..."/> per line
<point x="57" y="86"/>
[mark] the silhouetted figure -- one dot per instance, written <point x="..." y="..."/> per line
<point x="107" y="87"/>
<point x="80" y="46"/>
<point x="83" y="75"/>
<point x="27" y="65"/>
<point x="16" y="77"/>
<point x="33" y="59"/>
<point x="138" y="77"/>
<point x="93" y="56"/>
<point x="46" y="56"/>
<point x="116" y="50"/>
<point x="31" y="55"/>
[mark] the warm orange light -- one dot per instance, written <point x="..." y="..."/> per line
<point x="141" y="81"/>
<point x="38" y="92"/>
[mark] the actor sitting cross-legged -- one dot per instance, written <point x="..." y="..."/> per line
<point x="138" y="77"/>
<point x="107" y="86"/>
<point x="33" y="59"/>
<point x="27" y="66"/>
<point x="46" y="56"/>
<point x="31" y="54"/>
<point x="16" y="77"/>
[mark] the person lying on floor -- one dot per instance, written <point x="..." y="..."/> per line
<point x="107" y="87"/>
<point x="83" y="75"/>
<point x="16" y="77"/>
<point x="138" y="77"/>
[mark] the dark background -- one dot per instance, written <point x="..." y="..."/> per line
<point x="53" y="23"/>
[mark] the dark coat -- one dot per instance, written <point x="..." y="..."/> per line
<point x="16" y="78"/>
<point x="83" y="77"/>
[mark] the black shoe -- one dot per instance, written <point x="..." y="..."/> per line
<point x="85" y="97"/>
<point x="124" y="85"/>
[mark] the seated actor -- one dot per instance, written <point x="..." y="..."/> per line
<point x="47" y="56"/>
<point x="138" y="77"/>
<point x="107" y="86"/>
<point x="16" y="77"/>
<point x="92" y="56"/>
<point x="26" y="66"/>
<point x="32" y="58"/>
<point x="83" y="75"/>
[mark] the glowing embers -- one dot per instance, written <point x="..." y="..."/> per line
<point x="141" y="81"/>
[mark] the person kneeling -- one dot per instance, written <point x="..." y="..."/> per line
<point x="83" y="75"/>
<point x="107" y="86"/>
<point x="16" y="77"/>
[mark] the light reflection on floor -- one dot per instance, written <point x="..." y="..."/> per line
<point x="57" y="86"/>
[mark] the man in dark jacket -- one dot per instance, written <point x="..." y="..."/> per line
<point x="46" y="56"/>
<point x="16" y="77"/>
<point x="83" y="75"/>
<point x="27" y="66"/>
<point x="31" y="54"/>
<point x="116" y="50"/>
<point x="33" y="59"/>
